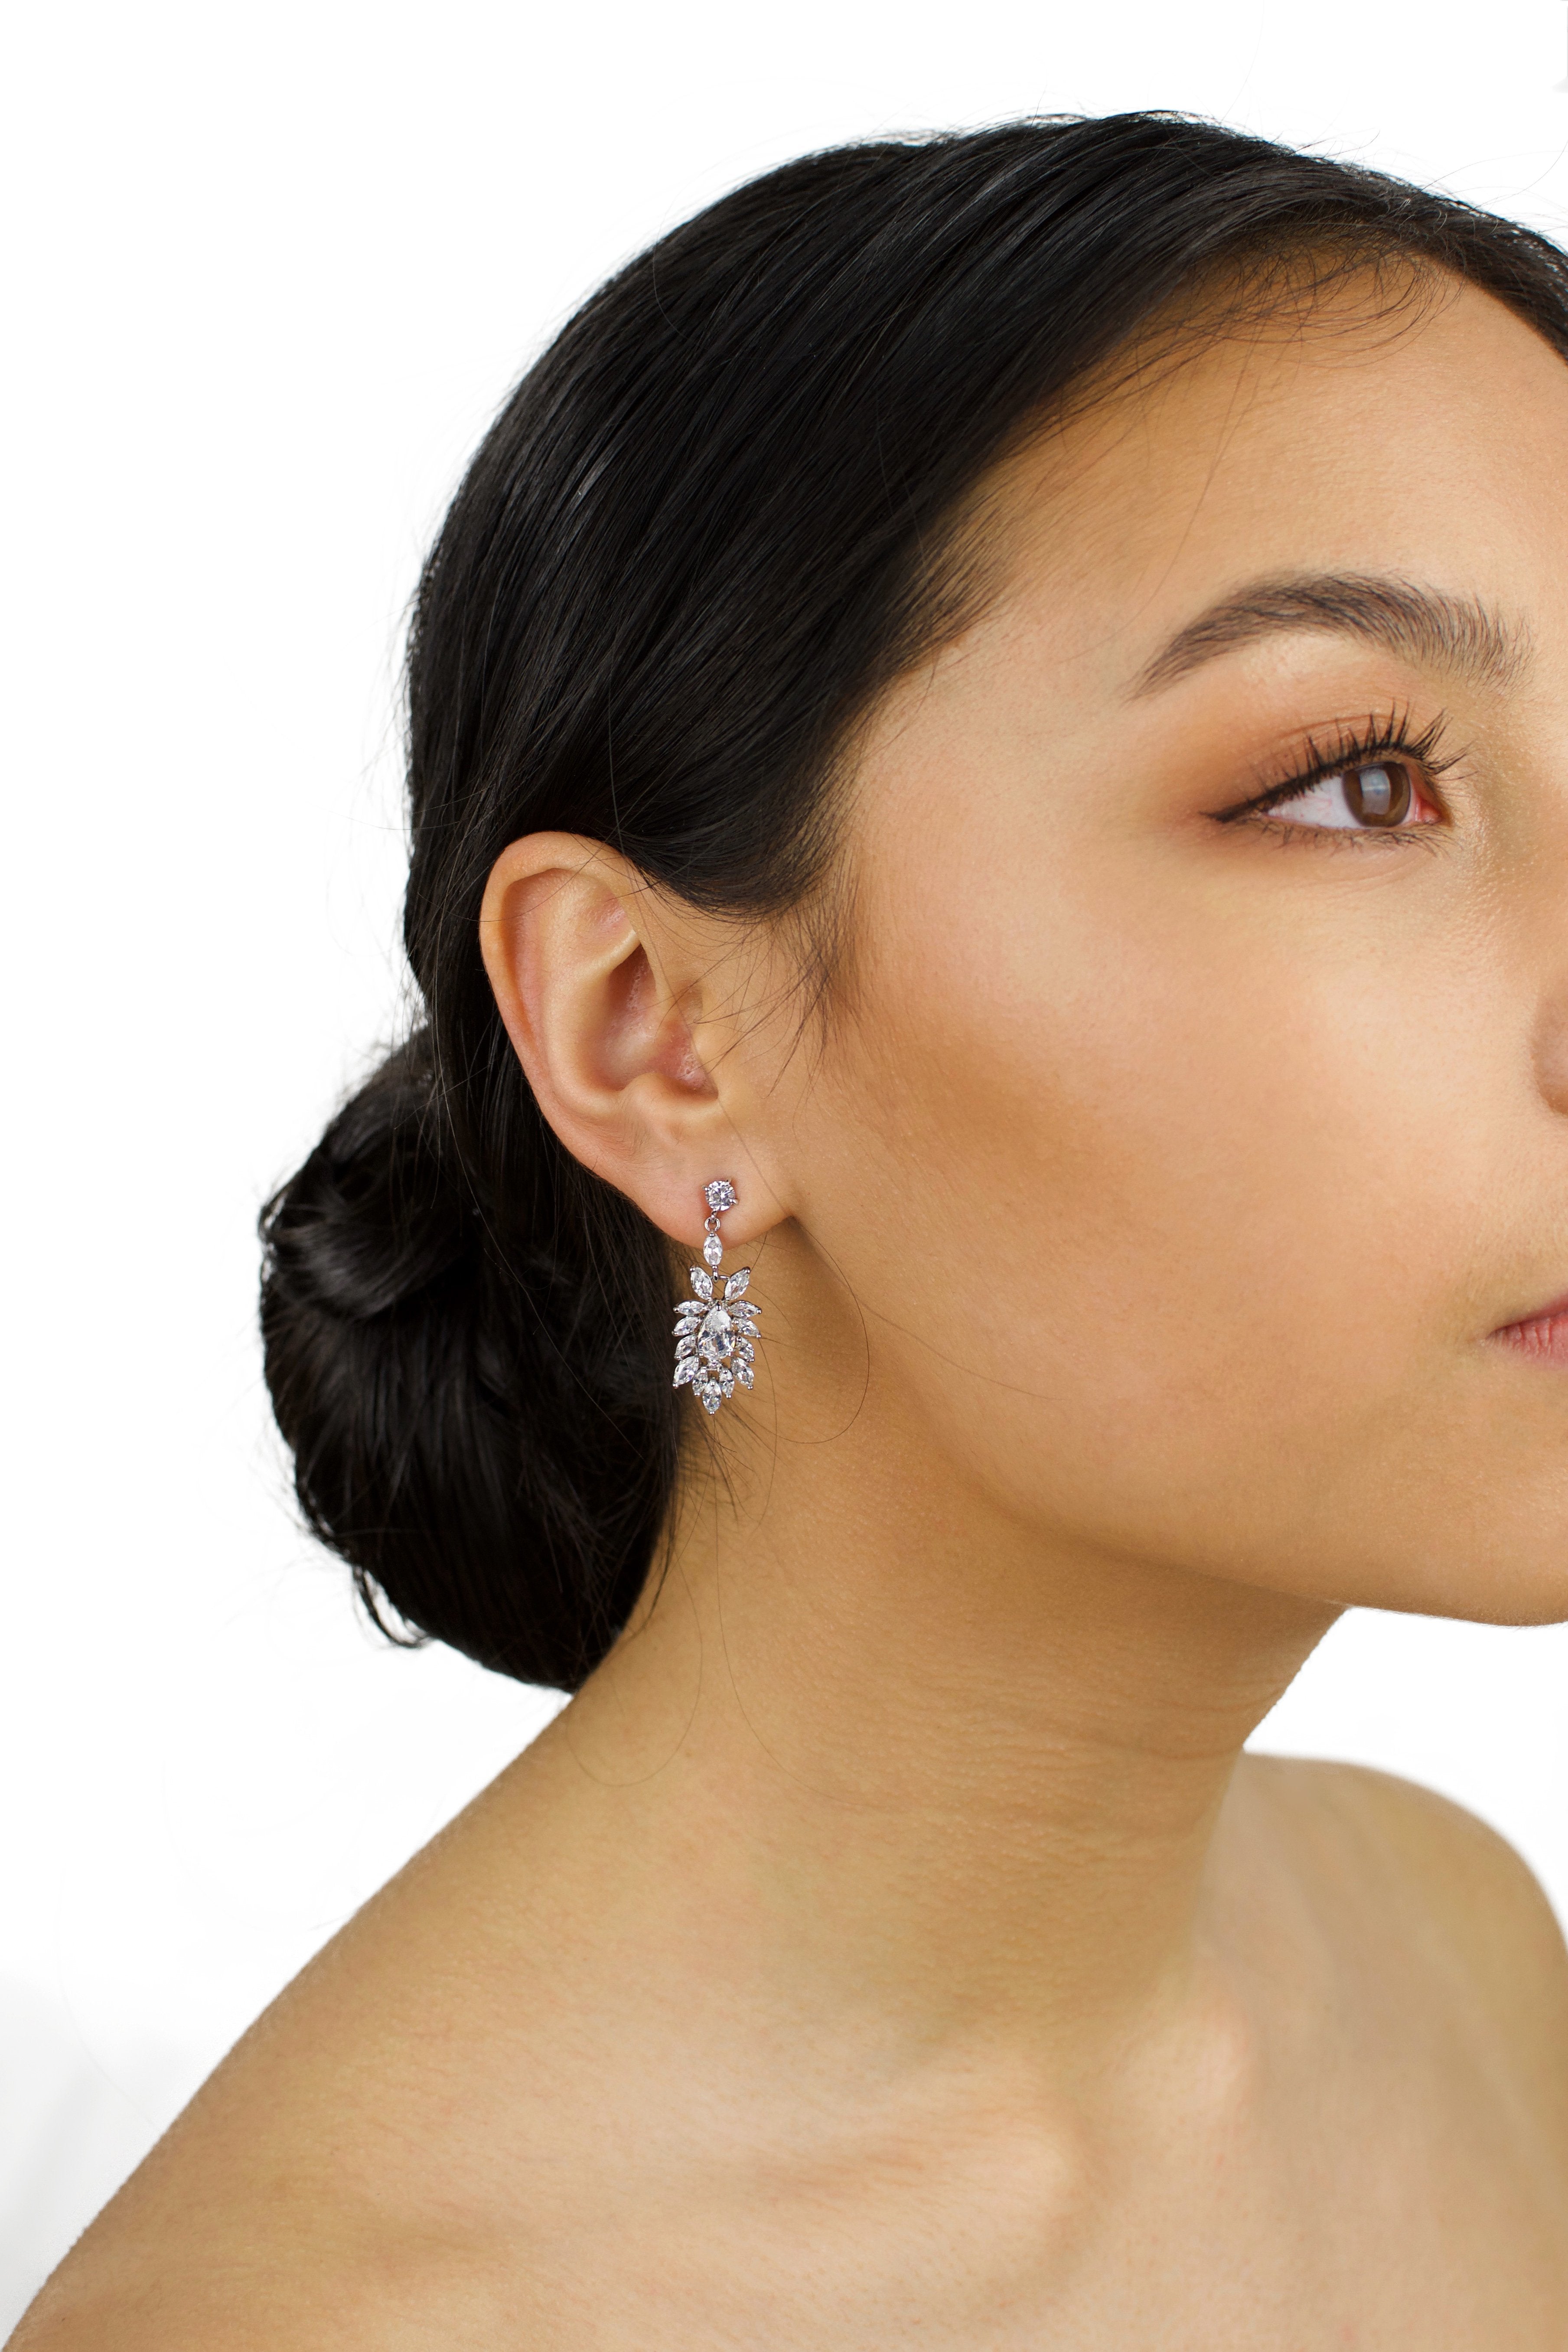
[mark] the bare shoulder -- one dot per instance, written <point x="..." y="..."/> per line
<point x="1442" y="1896"/>
<point x="340" y="2179"/>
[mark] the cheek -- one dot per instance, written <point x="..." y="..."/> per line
<point x="1179" y="1201"/>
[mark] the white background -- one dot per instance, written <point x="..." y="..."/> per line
<point x="272" y="271"/>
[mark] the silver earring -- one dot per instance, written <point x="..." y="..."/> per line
<point x="715" y="1331"/>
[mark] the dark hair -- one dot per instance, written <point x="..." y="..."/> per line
<point x="703" y="533"/>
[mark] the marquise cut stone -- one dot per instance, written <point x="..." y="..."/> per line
<point x="735" y="1287"/>
<point x="712" y="1396"/>
<point x="701" y="1282"/>
<point x="687" y="1369"/>
<point x="713" y="1250"/>
<point x="745" y="1374"/>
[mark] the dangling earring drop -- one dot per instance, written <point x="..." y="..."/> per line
<point x="715" y="1335"/>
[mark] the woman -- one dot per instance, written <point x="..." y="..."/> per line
<point x="985" y="739"/>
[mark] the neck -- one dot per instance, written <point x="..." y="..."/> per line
<point x="897" y="1749"/>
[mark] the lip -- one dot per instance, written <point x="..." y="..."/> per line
<point x="1543" y="1335"/>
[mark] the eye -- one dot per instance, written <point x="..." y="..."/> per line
<point x="1379" y="798"/>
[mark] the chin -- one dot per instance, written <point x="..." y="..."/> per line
<point x="1486" y="1588"/>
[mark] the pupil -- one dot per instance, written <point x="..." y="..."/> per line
<point x="1378" y="795"/>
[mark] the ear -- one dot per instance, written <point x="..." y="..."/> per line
<point x="600" y="984"/>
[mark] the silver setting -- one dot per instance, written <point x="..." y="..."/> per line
<point x="716" y="1328"/>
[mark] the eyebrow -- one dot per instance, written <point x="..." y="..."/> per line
<point x="1457" y="634"/>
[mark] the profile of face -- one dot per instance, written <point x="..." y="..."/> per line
<point x="1188" y="1124"/>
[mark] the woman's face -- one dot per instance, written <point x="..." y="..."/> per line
<point x="1185" y="1151"/>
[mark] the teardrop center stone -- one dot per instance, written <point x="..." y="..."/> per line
<point x="717" y="1326"/>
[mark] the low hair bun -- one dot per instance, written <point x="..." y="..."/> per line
<point x="455" y="1394"/>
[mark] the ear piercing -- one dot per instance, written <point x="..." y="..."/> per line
<point x="715" y="1333"/>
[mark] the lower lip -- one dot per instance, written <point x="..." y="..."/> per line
<point x="1545" y="1337"/>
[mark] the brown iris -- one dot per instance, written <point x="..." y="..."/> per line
<point x="1380" y="793"/>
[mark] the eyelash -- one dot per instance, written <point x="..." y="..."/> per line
<point x="1353" y="747"/>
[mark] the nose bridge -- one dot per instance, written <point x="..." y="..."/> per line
<point x="1530" y="903"/>
<point x="1525" y="897"/>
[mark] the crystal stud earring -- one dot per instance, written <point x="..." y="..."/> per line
<point x="715" y="1329"/>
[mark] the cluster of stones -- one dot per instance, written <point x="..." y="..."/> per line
<point x="714" y="1338"/>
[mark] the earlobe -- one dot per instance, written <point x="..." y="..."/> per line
<point x="569" y="943"/>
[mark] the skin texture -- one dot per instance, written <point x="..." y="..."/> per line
<point x="891" y="1946"/>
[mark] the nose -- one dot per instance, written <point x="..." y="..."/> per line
<point x="1551" y="1050"/>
